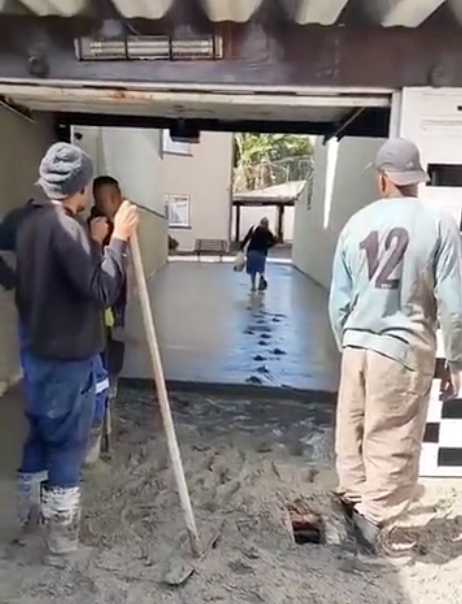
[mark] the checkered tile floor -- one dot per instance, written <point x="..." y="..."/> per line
<point x="442" y="446"/>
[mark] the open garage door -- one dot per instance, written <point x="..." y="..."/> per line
<point x="329" y="112"/>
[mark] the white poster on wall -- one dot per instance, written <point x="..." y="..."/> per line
<point x="178" y="211"/>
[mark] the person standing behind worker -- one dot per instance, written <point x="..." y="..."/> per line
<point x="108" y="199"/>
<point x="64" y="281"/>
<point x="256" y="244"/>
<point x="396" y="265"/>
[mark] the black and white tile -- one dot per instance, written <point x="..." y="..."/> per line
<point x="442" y="447"/>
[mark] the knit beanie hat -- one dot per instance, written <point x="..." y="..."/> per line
<point x="64" y="171"/>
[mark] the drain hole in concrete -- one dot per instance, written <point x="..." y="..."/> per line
<point x="307" y="526"/>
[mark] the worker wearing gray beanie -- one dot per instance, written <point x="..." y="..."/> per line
<point x="64" y="171"/>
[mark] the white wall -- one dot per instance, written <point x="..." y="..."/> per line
<point x="428" y="116"/>
<point x="250" y="216"/>
<point x="205" y="176"/>
<point x="133" y="157"/>
<point x="341" y="186"/>
<point x="432" y="119"/>
<point x="23" y="145"/>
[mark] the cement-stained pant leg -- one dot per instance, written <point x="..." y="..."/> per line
<point x="396" y="411"/>
<point x="100" y="410"/>
<point x="60" y="412"/>
<point x="350" y="425"/>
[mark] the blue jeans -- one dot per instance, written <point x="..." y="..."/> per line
<point x="60" y="398"/>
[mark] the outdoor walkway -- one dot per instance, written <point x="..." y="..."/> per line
<point x="212" y="330"/>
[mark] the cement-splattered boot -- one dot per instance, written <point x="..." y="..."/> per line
<point x="60" y="513"/>
<point x="29" y="488"/>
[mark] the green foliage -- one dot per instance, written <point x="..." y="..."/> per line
<point x="263" y="160"/>
<point x="256" y="148"/>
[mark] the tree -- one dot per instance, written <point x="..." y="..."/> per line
<point x="267" y="159"/>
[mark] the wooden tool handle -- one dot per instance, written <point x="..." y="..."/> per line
<point x="167" y="418"/>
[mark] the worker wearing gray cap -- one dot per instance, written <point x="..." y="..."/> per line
<point x="396" y="267"/>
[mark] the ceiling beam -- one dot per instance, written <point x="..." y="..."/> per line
<point x="403" y="13"/>
<point x="322" y="12"/>
<point x="369" y="127"/>
<point x="238" y="11"/>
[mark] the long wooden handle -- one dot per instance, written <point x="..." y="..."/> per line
<point x="167" y="418"/>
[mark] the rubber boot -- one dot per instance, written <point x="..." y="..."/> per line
<point x="29" y="490"/>
<point x="263" y="284"/>
<point x="60" y="512"/>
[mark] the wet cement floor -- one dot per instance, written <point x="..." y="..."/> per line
<point x="212" y="330"/>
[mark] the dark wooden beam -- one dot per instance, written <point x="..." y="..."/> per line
<point x="373" y="124"/>
<point x="256" y="53"/>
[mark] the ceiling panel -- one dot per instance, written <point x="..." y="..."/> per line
<point x="239" y="11"/>
<point x="146" y="9"/>
<point x="323" y="12"/>
<point x="63" y="8"/>
<point x="408" y="13"/>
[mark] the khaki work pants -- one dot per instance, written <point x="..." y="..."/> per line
<point x="381" y="416"/>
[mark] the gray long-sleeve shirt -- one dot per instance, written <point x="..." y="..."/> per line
<point x="397" y="267"/>
<point x="8" y="230"/>
<point x="64" y="282"/>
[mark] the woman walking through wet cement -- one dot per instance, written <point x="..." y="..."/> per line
<point x="256" y="243"/>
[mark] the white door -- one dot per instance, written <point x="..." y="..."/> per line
<point x="433" y="119"/>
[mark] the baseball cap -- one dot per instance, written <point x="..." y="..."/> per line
<point x="399" y="159"/>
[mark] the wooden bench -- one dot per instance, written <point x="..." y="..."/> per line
<point x="211" y="247"/>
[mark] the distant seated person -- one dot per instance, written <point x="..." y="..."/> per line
<point x="256" y="244"/>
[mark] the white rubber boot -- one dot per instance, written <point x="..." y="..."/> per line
<point x="60" y="511"/>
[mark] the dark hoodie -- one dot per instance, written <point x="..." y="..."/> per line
<point x="120" y="304"/>
<point x="258" y="239"/>
<point x="8" y="230"/>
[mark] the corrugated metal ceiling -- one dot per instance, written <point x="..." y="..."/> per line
<point x="408" y="13"/>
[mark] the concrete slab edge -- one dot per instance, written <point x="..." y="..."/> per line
<point x="242" y="390"/>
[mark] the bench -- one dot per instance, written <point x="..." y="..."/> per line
<point x="215" y="247"/>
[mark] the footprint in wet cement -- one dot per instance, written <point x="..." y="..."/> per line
<point x="248" y="332"/>
<point x="265" y="336"/>
<point x="276" y="320"/>
<point x="262" y="369"/>
<point x="278" y="352"/>
<point x="259" y="358"/>
<point x="253" y="379"/>
<point x="262" y="343"/>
